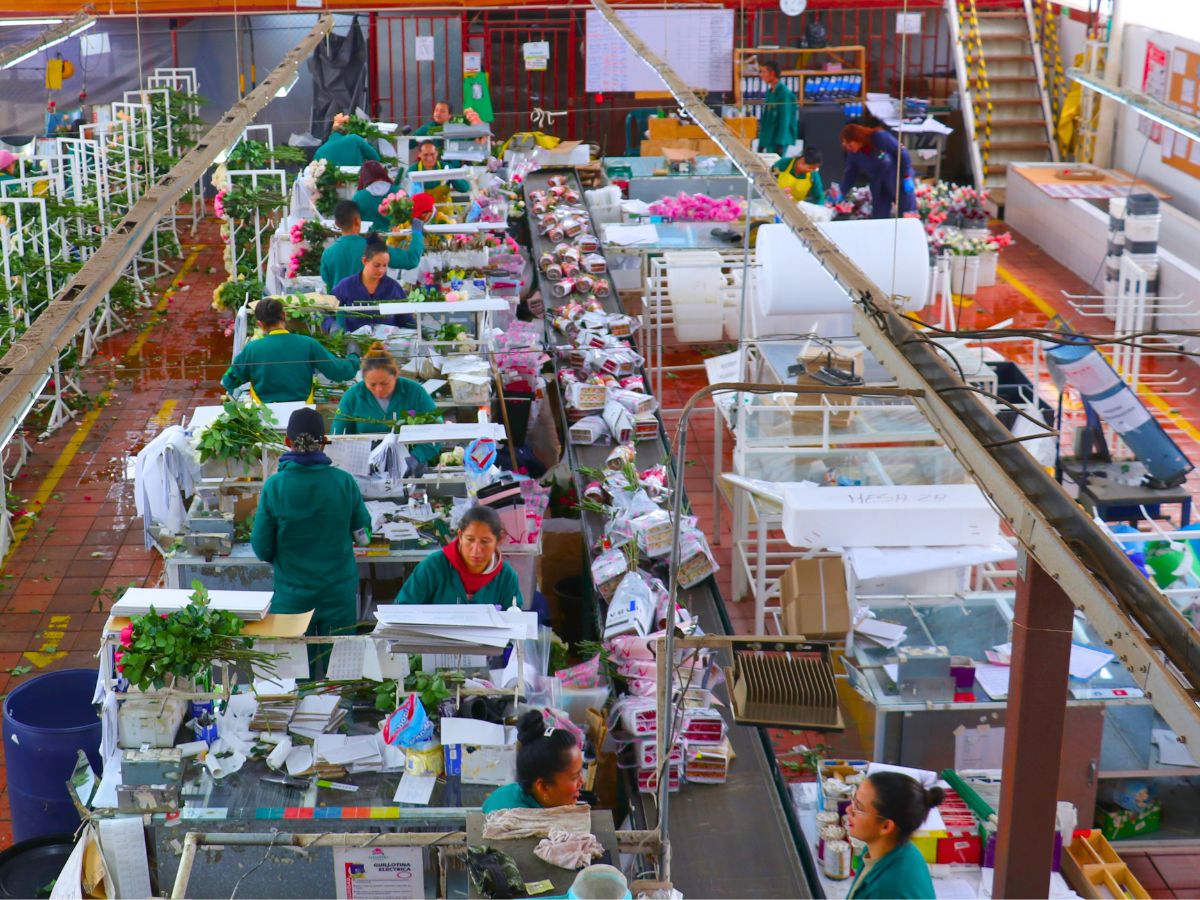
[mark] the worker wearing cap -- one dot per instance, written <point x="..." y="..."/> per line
<point x="428" y="160"/>
<point x="310" y="516"/>
<point x="342" y="149"/>
<point x="8" y="165"/>
<point x="280" y="365"/>
<point x="344" y="257"/>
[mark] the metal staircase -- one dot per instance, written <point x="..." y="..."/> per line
<point x="1000" y="75"/>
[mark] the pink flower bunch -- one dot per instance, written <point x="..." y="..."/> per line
<point x="298" y="232"/>
<point x="219" y="204"/>
<point x="697" y="208"/>
<point x="1000" y="241"/>
<point x="126" y="642"/>
<point x="293" y="268"/>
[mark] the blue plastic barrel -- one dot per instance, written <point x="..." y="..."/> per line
<point x="47" y="720"/>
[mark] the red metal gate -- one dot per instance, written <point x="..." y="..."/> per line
<point x="404" y="90"/>
<point x="517" y="91"/>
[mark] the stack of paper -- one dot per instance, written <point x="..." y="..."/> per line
<point x="360" y="753"/>
<point x="315" y="715"/>
<point x="252" y="606"/>
<point x="1085" y="661"/>
<point x="453" y="629"/>
<point x="885" y="634"/>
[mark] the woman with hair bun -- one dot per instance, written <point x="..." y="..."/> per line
<point x="549" y="768"/>
<point x="383" y="396"/>
<point x="875" y="155"/>
<point x="887" y="808"/>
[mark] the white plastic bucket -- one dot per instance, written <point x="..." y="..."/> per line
<point x="1141" y="229"/>
<point x="698" y="322"/>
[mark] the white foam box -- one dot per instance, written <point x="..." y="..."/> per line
<point x="936" y="515"/>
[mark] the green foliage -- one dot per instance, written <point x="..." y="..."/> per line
<point x="242" y="202"/>
<point x="186" y="644"/>
<point x="233" y="294"/>
<point x="327" y="183"/>
<point x="248" y="154"/>
<point x="239" y="433"/>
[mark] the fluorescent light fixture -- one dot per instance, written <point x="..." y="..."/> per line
<point x="1142" y="104"/>
<point x="287" y="88"/>
<point x="53" y="36"/>
<point x="11" y="23"/>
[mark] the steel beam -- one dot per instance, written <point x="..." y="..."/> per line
<point x="23" y="368"/>
<point x="1130" y="614"/>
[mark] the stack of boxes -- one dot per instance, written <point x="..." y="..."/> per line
<point x="668" y="131"/>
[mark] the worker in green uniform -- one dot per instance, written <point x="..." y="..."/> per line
<point x="800" y="176"/>
<point x="441" y="115"/>
<point x="549" y="767"/>
<point x="886" y="810"/>
<point x="344" y="257"/>
<point x="372" y="405"/>
<point x="467" y="570"/>
<point x="280" y="365"/>
<point x="342" y="149"/>
<point x="8" y="165"/>
<point x="777" y="126"/>
<point x="374" y="184"/>
<point x="310" y="516"/>
<point x="428" y="160"/>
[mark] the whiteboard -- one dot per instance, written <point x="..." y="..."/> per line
<point x="701" y="52"/>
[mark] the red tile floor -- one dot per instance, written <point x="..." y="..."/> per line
<point x="86" y="538"/>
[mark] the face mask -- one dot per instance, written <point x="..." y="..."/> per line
<point x="378" y="189"/>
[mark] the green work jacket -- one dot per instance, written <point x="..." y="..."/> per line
<point x="304" y="527"/>
<point x="346" y="150"/>
<point x="280" y="366"/>
<point x="778" y="124"/>
<point x="434" y="580"/>
<point x="359" y="404"/>
<point x="343" y="257"/>
<point x="902" y="874"/>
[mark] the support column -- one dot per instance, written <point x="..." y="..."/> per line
<point x="1037" y="705"/>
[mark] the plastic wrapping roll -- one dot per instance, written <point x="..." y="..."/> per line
<point x="791" y="281"/>
<point x="977" y="804"/>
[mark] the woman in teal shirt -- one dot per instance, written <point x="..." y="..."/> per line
<point x="549" y="768"/>
<point x="382" y="397"/>
<point x="887" y="808"/>
<point x="467" y="570"/>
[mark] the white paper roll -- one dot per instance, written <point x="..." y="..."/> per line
<point x="279" y="755"/>
<point x="791" y="280"/>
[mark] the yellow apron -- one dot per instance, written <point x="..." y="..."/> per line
<point x="797" y="185"/>
<point x="311" y="391"/>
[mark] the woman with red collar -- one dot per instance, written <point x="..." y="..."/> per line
<point x="467" y="570"/>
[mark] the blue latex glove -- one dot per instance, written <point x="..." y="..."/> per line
<point x="908" y="186"/>
<point x="418" y="225"/>
<point x="414" y="468"/>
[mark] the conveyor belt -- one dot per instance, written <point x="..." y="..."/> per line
<point x="738" y="839"/>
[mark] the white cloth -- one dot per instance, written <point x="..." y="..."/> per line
<point x="567" y="850"/>
<point x="165" y="473"/>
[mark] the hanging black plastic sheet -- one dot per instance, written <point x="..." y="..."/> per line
<point x="339" y="74"/>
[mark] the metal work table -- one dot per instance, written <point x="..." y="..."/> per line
<point x="717" y="177"/>
<point x="1113" y="501"/>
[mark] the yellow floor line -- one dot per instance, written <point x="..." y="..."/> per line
<point x="50" y="482"/>
<point x="165" y="414"/>
<point x="1153" y="398"/>
<point x="135" y="348"/>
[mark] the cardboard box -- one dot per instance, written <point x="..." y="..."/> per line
<point x="934" y="515"/>
<point x="662" y="128"/>
<point x="1117" y="823"/>
<point x="814" y="598"/>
